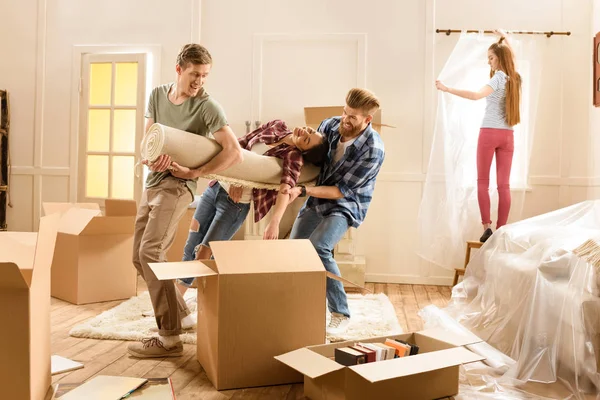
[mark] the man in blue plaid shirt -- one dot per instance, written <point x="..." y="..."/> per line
<point x="343" y="192"/>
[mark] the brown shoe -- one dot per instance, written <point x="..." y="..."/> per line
<point x="154" y="348"/>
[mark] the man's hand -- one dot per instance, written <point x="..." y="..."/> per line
<point x="272" y="231"/>
<point x="293" y="192"/>
<point x="181" y="172"/>
<point x="160" y="164"/>
<point x="235" y="193"/>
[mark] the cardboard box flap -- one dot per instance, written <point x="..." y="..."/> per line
<point x="16" y="259"/>
<point x="455" y="339"/>
<point x="11" y="277"/>
<point x="61" y="208"/>
<point x="309" y="363"/>
<point x="406" y="366"/>
<point x="100" y="225"/>
<point x="74" y="220"/>
<point x="313" y="116"/>
<point x="46" y="242"/>
<point x="181" y="269"/>
<point x="119" y="208"/>
<point x="264" y="256"/>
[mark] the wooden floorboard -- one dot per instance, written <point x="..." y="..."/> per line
<point x="109" y="357"/>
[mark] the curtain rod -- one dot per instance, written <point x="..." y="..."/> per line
<point x="548" y="34"/>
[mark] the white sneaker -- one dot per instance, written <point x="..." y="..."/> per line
<point x="338" y="324"/>
<point x="148" y="313"/>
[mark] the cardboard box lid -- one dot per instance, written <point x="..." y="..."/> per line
<point x="309" y="363"/>
<point x="264" y="256"/>
<point x="120" y="208"/>
<point x="313" y="116"/>
<point x="417" y="364"/>
<point x="61" y="208"/>
<point x="74" y="220"/>
<point x="22" y="252"/>
<point x="246" y="257"/>
<point x="455" y="339"/>
<point x="182" y="269"/>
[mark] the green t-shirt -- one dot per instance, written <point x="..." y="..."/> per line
<point x="200" y="115"/>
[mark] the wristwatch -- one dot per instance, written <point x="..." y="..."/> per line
<point x="303" y="192"/>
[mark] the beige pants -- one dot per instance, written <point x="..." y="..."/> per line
<point x="160" y="210"/>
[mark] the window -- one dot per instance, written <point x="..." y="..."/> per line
<point x="112" y="100"/>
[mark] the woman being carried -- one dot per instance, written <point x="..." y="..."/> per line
<point x="223" y="208"/>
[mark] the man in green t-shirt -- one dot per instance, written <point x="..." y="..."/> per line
<point x="170" y="188"/>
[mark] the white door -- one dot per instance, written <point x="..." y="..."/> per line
<point x="111" y="126"/>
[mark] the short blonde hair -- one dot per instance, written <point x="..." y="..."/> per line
<point x="362" y="99"/>
<point x="193" y="54"/>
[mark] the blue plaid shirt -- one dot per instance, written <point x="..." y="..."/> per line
<point x="354" y="174"/>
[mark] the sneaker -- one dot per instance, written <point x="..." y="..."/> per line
<point x="486" y="235"/>
<point x="154" y="347"/>
<point x="338" y="324"/>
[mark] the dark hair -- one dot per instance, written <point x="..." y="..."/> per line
<point x="318" y="154"/>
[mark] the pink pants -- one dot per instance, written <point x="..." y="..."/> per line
<point x="500" y="142"/>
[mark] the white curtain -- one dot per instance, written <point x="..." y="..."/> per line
<point x="449" y="212"/>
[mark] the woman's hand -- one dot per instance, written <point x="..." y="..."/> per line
<point x="235" y="193"/>
<point x="272" y="231"/>
<point x="440" y="86"/>
<point x="500" y="33"/>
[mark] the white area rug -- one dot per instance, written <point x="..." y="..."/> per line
<point x="372" y="315"/>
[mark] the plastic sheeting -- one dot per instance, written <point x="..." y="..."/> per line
<point x="449" y="211"/>
<point x="532" y="293"/>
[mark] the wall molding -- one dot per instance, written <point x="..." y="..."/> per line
<point x="41" y="171"/>
<point x="259" y="41"/>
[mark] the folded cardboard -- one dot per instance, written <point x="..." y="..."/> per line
<point x="257" y="299"/>
<point x="25" y="260"/>
<point x="431" y="374"/>
<point x="313" y="116"/>
<point x="93" y="256"/>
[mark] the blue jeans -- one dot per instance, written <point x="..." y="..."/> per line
<point x="324" y="233"/>
<point x="218" y="217"/>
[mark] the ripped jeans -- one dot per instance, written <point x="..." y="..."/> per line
<point x="218" y="218"/>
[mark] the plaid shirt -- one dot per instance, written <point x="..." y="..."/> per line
<point x="354" y="174"/>
<point x="269" y="133"/>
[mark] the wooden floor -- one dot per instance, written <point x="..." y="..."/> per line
<point x="109" y="357"/>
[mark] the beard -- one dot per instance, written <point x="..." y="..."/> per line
<point x="349" y="132"/>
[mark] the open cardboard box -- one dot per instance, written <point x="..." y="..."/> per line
<point x="93" y="256"/>
<point x="431" y="374"/>
<point x="25" y="260"/>
<point x="257" y="299"/>
<point x="313" y="116"/>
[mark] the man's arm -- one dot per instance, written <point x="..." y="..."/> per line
<point x="229" y="156"/>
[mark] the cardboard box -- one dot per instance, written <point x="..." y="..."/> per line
<point x="313" y="116"/>
<point x="25" y="260"/>
<point x="257" y="299"/>
<point x="93" y="256"/>
<point x="431" y="374"/>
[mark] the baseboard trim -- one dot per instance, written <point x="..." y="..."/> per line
<point x="409" y="279"/>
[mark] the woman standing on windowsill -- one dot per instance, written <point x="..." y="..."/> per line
<point x="503" y="95"/>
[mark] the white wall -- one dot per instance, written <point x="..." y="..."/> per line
<point x="42" y="167"/>
<point x="18" y="41"/>
<point x="402" y="60"/>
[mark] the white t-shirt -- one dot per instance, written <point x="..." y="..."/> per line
<point x="341" y="149"/>
<point x="495" y="109"/>
<point x="258" y="148"/>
